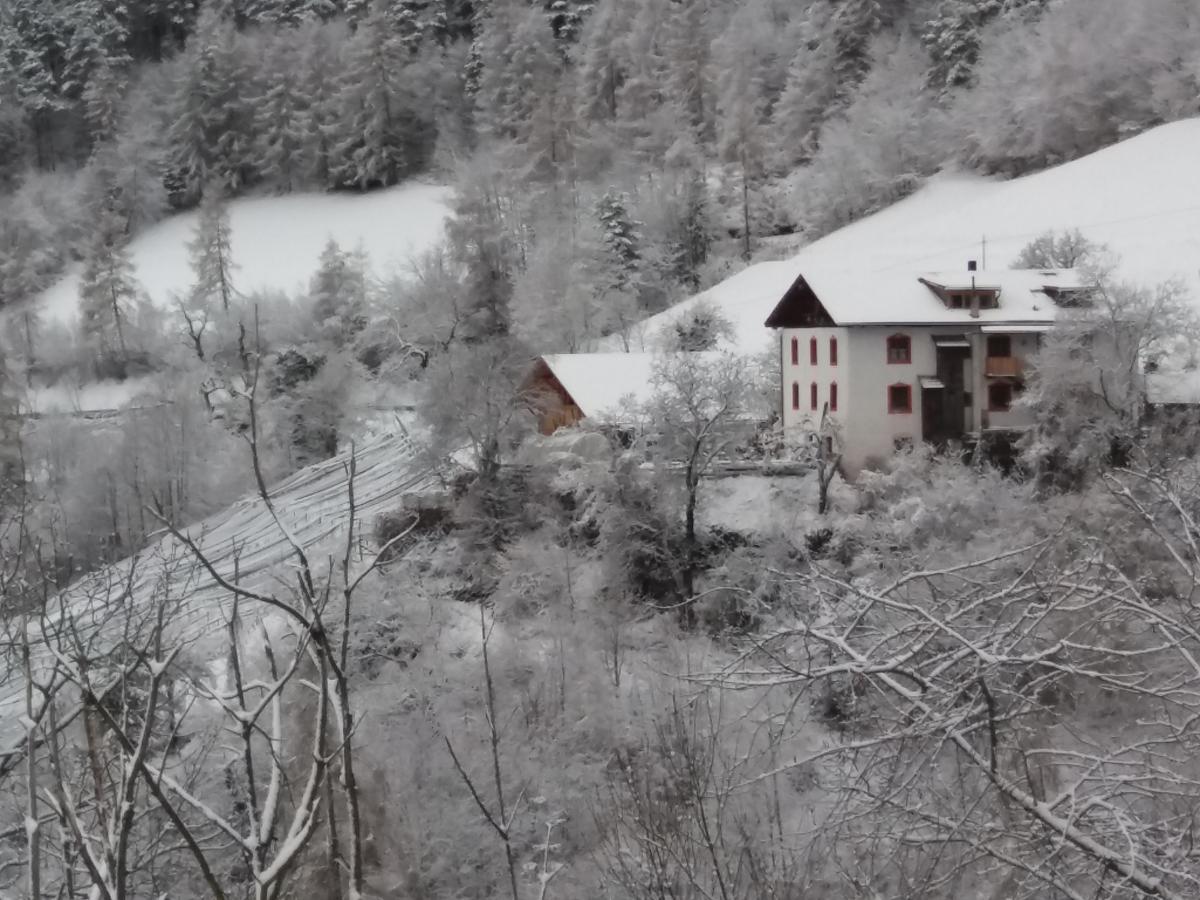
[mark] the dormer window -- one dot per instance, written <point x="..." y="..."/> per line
<point x="958" y="301"/>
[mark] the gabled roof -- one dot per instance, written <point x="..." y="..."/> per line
<point x="856" y="297"/>
<point x="607" y="384"/>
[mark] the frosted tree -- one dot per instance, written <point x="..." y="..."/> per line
<point x="209" y="139"/>
<point x="810" y="89"/>
<point x="854" y="26"/>
<point x="211" y="255"/>
<point x="483" y="240"/>
<point x="338" y="292"/>
<point x="33" y="40"/>
<point x="282" y="117"/>
<point x="1058" y="250"/>
<point x="741" y="137"/>
<point x="108" y="289"/>
<point x="518" y="63"/>
<point x="382" y="128"/>
<point x="568" y="17"/>
<point x="687" y="49"/>
<point x="602" y="66"/>
<point x="622" y="242"/>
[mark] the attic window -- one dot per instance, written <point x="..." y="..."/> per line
<point x="958" y="301"/>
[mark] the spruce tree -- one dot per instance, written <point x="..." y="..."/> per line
<point x="619" y="231"/>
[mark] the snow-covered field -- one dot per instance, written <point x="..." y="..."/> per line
<point x="277" y="241"/>
<point x="1140" y="197"/>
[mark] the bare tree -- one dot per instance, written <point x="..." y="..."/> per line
<point x="697" y="414"/>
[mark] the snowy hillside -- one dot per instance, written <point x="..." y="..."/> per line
<point x="1141" y="197"/>
<point x="277" y="241"/>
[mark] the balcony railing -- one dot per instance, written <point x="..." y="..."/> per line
<point x="1003" y="367"/>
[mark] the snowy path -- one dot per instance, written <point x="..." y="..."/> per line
<point x="313" y="505"/>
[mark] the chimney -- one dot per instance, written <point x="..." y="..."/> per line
<point x="974" y="293"/>
<point x="972" y="265"/>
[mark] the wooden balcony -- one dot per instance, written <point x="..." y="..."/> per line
<point x="1003" y="367"/>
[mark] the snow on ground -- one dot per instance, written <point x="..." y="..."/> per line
<point x="767" y="505"/>
<point x="1140" y="197"/>
<point x="70" y="398"/>
<point x="277" y="241"/>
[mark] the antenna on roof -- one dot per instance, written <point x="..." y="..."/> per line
<point x="984" y="254"/>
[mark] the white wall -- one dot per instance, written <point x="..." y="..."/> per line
<point x="872" y="432"/>
<point x="824" y="374"/>
<point x="864" y="375"/>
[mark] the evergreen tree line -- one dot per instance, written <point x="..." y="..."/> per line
<point x="700" y="119"/>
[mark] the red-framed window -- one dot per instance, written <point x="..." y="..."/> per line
<point x="795" y="395"/>
<point x="812" y="396"/>
<point x="833" y="351"/>
<point x="899" y="397"/>
<point x="1000" y="396"/>
<point x="899" y="350"/>
<point x="812" y="351"/>
<point x="795" y="351"/>
<point x="833" y="397"/>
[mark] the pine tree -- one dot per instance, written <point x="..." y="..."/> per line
<point x="741" y="137"/>
<point x="810" y="91"/>
<point x="386" y="136"/>
<point x="33" y="40"/>
<point x="209" y="139"/>
<point x="602" y="67"/>
<point x="689" y="65"/>
<point x="210" y="253"/>
<point x="567" y="18"/>
<point x="854" y="25"/>
<point x="518" y="62"/>
<point x="282" y="117"/>
<point x="108" y="289"/>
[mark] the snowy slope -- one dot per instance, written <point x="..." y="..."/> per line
<point x="1141" y="197"/>
<point x="313" y="507"/>
<point x="277" y="241"/>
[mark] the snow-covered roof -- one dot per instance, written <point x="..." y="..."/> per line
<point x="607" y="384"/>
<point x="1140" y="198"/>
<point x="863" y="297"/>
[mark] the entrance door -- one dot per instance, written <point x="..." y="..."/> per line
<point x="944" y="401"/>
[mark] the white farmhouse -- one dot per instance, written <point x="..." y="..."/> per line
<point x="897" y="358"/>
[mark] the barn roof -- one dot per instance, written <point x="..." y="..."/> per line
<point x="604" y="385"/>
<point x="851" y="297"/>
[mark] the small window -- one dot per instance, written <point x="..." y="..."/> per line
<point x="957" y="301"/>
<point x="999" y="345"/>
<point x="833" y="351"/>
<point x="833" y="397"/>
<point x="1000" y="397"/>
<point x="812" y="396"/>
<point x="795" y="351"/>
<point x="812" y="351"/>
<point x="899" y="349"/>
<point x="900" y="398"/>
<point x="795" y="395"/>
<point x="902" y="444"/>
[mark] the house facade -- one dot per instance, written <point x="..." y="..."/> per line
<point x="895" y="359"/>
